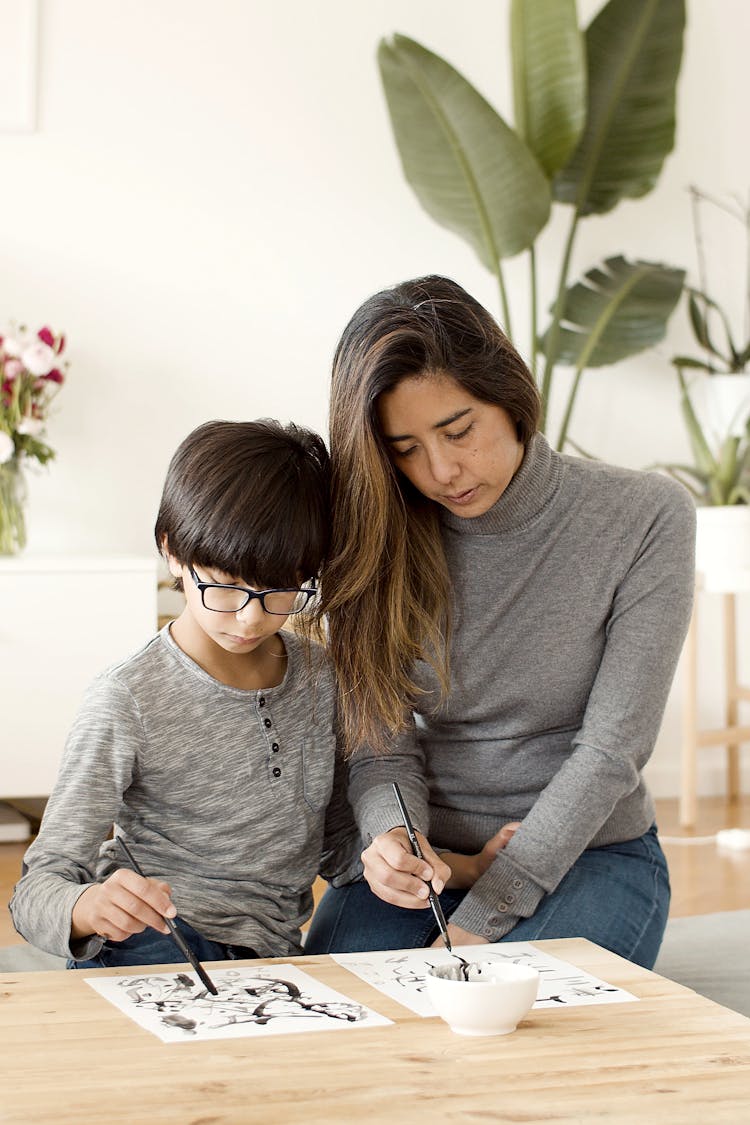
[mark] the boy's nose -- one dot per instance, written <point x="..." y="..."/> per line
<point x="252" y="611"/>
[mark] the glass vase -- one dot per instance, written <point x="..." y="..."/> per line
<point x="12" y="500"/>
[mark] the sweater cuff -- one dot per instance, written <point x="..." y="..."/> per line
<point x="378" y="812"/>
<point x="504" y="894"/>
<point x="85" y="948"/>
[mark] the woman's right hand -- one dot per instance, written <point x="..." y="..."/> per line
<point x="397" y="876"/>
<point x="122" y="905"/>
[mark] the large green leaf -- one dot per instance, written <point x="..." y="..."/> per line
<point x="619" y="309"/>
<point x="549" y="78"/>
<point x="634" y="50"/>
<point x="469" y="170"/>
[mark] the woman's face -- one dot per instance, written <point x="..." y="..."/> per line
<point x="457" y="450"/>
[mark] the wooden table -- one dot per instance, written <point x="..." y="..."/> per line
<point x="69" y="1056"/>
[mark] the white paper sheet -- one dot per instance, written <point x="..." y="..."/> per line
<point x="272" y="1000"/>
<point x="400" y="974"/>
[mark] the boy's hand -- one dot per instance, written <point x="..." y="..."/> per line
<point x="396" y="875"/>
<point x="122" y="905"/>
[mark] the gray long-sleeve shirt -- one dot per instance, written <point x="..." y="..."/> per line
<point x="572" y="596"/>
<point x="222" y="792"/>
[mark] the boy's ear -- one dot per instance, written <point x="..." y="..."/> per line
<point x="175" y="568"/>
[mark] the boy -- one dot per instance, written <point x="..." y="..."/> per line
<point x="212" y="749"/>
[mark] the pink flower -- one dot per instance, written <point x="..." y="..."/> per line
<point x="30" y="374"/>
<point x="38" y="358"/>
<point x="13" y="367"/>
<point x="7" y="448"/>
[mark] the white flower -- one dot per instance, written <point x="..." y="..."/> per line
<point x="31" y="426"/>
<point x="7" y="448"/>
<point x="38" y="358"/>
<point x="11" y="346"/>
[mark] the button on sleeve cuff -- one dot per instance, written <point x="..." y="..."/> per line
<point x="498" y="901"/>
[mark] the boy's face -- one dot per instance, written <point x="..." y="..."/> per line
<point x="247" y="631"/>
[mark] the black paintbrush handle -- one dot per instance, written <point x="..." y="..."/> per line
<point x="179" y="940"/>
<point x="432" y="898"/>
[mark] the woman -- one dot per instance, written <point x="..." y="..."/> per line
<point x="505" y="622"/>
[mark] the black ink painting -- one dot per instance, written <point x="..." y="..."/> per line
<point x="276" y="999"/>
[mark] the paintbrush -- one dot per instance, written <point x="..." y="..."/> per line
<point x="432" y="898"/>
<point x="179" y="940"/>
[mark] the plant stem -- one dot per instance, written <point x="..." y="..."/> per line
<point x="504" y="301"/>
<point x="569" y="409"/>
<point x="554" y="328"/>
<point x="534" y="330"/>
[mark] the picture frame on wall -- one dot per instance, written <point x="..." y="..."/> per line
<point x="19" y="43"/>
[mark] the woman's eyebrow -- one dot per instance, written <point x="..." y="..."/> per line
<point x="437" y="426"/>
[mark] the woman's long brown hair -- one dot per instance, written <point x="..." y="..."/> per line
<point x="385" y="584"/>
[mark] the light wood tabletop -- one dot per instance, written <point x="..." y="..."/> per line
<point x="70" y="1056"/>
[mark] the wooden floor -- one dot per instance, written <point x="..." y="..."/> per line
<point x="704" y="878"/>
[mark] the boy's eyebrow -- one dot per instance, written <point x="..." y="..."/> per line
<point x="437" y="426"/>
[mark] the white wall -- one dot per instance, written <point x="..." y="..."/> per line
<point x="213" y="188"/>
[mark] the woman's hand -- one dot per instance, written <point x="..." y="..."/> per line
<point x="459" y="937"/>
<point x="466" y="869"/>
<point x="396" y="875"/>
<point x="122" y="905"/>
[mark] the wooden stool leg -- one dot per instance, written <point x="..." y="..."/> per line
<point x="689" y="772"/>
<point x="732" y="711"/>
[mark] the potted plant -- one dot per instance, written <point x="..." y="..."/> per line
<point x="595" y="120"/>
<point x="716" y="410"/>
<point x="721" y="393"/>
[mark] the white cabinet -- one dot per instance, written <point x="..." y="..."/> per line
<point x="62" y="620"/>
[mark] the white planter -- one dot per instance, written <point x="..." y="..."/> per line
<point x="722" y="405"/>
<point x="723" y="538"/>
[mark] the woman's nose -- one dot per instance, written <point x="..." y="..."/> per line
<point x="442" y="466"/>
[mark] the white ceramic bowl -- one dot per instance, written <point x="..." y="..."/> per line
<point x="491" y="1002"/>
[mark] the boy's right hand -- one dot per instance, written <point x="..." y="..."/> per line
<point x="122" y="905"/>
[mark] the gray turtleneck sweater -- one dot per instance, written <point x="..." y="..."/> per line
<point x="572" y="596"/>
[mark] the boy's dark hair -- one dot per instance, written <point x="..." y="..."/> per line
<point x="250" y="499"/>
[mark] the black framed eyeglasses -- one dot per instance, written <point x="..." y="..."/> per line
<point x="221" y="598"/>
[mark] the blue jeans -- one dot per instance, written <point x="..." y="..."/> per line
<point x="616" y="896"/>
<point x="153" y="948"/>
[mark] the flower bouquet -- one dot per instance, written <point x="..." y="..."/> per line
<point x="31" y="374"/>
